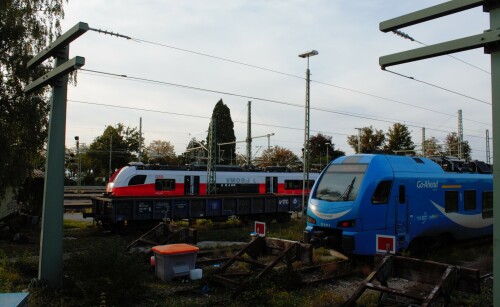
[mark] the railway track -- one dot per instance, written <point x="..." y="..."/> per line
<point x="79" y="198"/>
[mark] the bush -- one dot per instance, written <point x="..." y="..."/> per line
<point x="105" y="271"/>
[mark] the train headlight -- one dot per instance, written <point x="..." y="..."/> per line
<point x="311" y="220"/>
<point x="346" y="224"/>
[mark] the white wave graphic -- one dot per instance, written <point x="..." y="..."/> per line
<point x="328" y="216"/>
<point x="465" y="220"/>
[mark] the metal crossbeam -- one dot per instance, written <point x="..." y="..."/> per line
<point x="56" y="73"/>
<point x="461" y="44"/>
<point x="429" y="13"/>
<point x="59" y="43"/>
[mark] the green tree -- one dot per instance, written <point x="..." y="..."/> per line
<point x="224" y="133"/>
<point x="121" y="143"/>
<point x="196" y="152"/>
<point x="26" y="27"/>
<point x="371" y="140"/>
<point x="161" y="152"/>
<point x="432" y="148"/>
<point x="399" y="139"/>
<point x="451" y="146"/>
<point x="323" y="149"/>
<point x="277" y="156"/>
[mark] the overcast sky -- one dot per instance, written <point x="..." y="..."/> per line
<point x="238" y="49"/>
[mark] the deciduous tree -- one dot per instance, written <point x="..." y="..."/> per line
<point x="277" y="156"/>
<point x="115" y="148"/>
<point x="432" y="148"/>
<point x="160" y="152"/>
<point x="371" y="140"/>
<point x="26" y="27"/>
<point x="451" y="146"/>
<point x="323" y="149"/>
<point x="399" y="139"/>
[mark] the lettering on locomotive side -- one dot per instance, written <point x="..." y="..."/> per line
<point x="427" y="184"/>
<point x="283" y="201"/>
<point x="240" y="180"/>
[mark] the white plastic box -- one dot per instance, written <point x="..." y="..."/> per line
<point x="174" y="260"/>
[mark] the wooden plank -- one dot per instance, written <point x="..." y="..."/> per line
<point x="444" y="286"/>
<point x="425" y="271"/>
<point x="354" y="297"/>
<point x="305" y="250"/>
<point x="251" y="261"/>
<point x="394" y="291"/>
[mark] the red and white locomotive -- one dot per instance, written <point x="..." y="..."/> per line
<point x="138" y="179"/>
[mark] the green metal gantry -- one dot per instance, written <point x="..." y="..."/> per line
<point x="51" y="238"/>
<point x="490" y="40"/>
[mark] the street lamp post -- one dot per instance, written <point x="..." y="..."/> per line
<point x="78" y="180"/>
<point x="307" y="55"/>
<point x="359" y="139"/>
<point x="327" y="147"/>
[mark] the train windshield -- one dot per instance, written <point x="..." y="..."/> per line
<point x="340" y="182"/>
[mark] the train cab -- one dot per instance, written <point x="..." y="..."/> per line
<point x="363" y="204"/>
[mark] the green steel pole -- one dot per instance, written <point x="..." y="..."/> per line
<point x="495" y="98"/>
<point x="51" y="237"/>
<point x="305" y="154"/>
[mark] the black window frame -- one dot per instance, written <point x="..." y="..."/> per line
<point x="164" y="184"/>
<point x="137" y="180"/>
<point x="382" y="193"/>
<point x="451" y="199"/>
<point x="487" y="198"/>
<point x="470" y="199"/>
<point x="296" y="184"/>
<point x="402" y="194"/>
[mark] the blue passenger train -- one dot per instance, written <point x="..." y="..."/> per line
<point x="368" y="203"/>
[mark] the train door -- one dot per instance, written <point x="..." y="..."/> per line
<point x="271" y="185"/>
<point x="191" y="185"/>
<point x="401" y="215"/>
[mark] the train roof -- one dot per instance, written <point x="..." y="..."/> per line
<point x="203" y="167"/>
<point x="420" y="164"/>
<point x="397" y="163"/>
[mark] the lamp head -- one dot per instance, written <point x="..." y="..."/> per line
<point x="308" y="54"/>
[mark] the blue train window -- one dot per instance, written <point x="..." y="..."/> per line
<point x="487" y="205"/>
<point x="381" y="194"/>
<point x="470" y="200"/>
<point x="451" y="201"/>
<point x="137" y="179"/>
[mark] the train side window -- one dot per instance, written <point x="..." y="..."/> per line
<point x="137" y="179"/>
<point x="293" y="184"/>
<point x="381" y="194"/>
<point x="451" y="201"/>
<point x="296" y="184"/>
<point x="470" y="200"/>
<point x="402" y="194"/>
<point x="165" y="184"/>
<point x="487" y="205"/>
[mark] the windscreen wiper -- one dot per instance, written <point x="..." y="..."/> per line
<point x="348" y="190"/>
